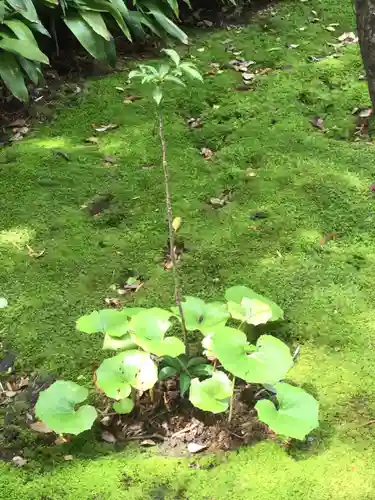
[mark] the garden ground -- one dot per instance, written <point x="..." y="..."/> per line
<point x="299" y="228"/>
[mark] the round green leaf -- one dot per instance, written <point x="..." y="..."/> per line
<point x="116" y="343"/>
<point x="111" y="321"/>
<point x="298" y="412"/>
<point x="116" y="376"/>
<point x="147" y="330"/>
<point x="167" y="372"/>
<point x="267" y="364"/>
<point x="56" y="408"/>
<point x="212" y="394"/>
<point x="123" y="406"/>
<point x="246" y="305"/>
<point x="201" y="316"/>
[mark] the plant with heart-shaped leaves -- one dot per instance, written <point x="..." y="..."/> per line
<point x="57" y="408"/>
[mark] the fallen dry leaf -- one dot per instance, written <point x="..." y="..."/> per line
<point x="195" y="122"/>
<point x="348" y="38"/>
<point x="22" y="382"/>
<point x="10" y="394"/>
<point x="106" y="420"/>
<point x="247" y="77"/>
<point x="250" y="172"/>
<point x="147" y="442"/>
<point x="104" y="128"/>
<point x="19" y="461"/>
<point x="60" y="440"/>
<point x="365" y="113"/>
<point x="108" y="437"/>
<point x="176" y="224"/>
<point x="120" y="89"/>
<point x="196" y="448"/>
<point x="35" y="255"/>
<point x="179" y="249"/>
<point x="112" y="302"/>
<point x="264" y="71"/>
<point x="317" y="122"/>
<point x="207" y="153"/>
<point x="109" y="161"/>
<point x="132" y="285"/>
<point x="222" y="200"/>
<point x="131" y="98"/>
<point x="40" y="427"/>
<point x="68" y="458"/>
<point x="92" y="140"/>
<point x="20" y="122"/>
<point x="328" y="237"/>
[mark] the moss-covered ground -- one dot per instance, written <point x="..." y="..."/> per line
<point x="309" y="184"/>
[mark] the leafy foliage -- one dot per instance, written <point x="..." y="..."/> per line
<point x="110" y="321"/>
<point x="56" y="408"/>
<point x="147" y="330"/>
<point x="123" y="406"/>
<point x="93" y="22"/>
<point x="141" y="334"/>
<point x="185" y="369"/>
<point x="201" y="316"/>
<point x="212" y="394"/>
<point x="297" y="414"/>
<point x="116" y="376"/>
<point x="165" y="73"/>
<point x="266" y="363"/>
<point x="247" y="306"/>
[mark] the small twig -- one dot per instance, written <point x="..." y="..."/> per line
<point x="172" y="248"/>
<point x="145" y="436"/>
<point x="236" y="435"/>
<point x="370" y="422"/>
<point x="231" y="400"/>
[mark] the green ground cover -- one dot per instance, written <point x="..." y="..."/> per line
<point x="309" y="184"/>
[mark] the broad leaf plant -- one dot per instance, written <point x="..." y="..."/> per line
<point x="146" y="354"/>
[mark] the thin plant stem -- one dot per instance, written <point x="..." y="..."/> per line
<point x="172" y="247"/>
<point x="231" y="400"/>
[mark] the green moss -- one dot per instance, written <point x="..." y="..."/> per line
<point x="309" y="183"/>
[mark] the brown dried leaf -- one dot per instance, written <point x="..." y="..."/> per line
<point x="365" y="113"/>
<point x="328" y="237"/>
<point x="108" y="437"/>
<point x="61" y="440"/>
<point x="40" y="427"/>
<point x="23" y="382"/>
<point x="19" y="461"/>
<point x="35" y="255"/>
<point x="68" y="458"/>
<point x="207" y="153"/>
<point x="195" y="122"/>
<point x="112" y="302"/>
<point x="317" y="122"/>
<point x="147" y="442"/>
<point x="196" y="448"/>
<point x="131" y="98"/>
<point x="348" y="38"/>
<point x="92" y="140"/>
<point x="104" y="128"/>
<point x="10" y="394"/>
<point x="20" y="122"/>
<point x="109" y="161"/>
